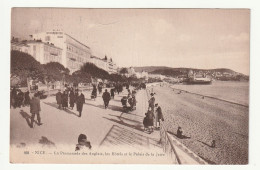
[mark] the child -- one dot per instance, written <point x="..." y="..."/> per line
<point x="82" y="141"/>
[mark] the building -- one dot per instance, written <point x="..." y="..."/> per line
<point x="20" y="46"/>
<point x="100" y="63"/>
<point x="44" y="52"/>
<point x="112" y="67"/>
<point x="74" y="53"/>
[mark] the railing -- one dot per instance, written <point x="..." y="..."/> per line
<point x="165" y="140"/>
<point x="167" y="144"/>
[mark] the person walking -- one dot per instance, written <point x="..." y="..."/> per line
<point x="151" y="102"/>
<point x="35" y="108"/>
<point x="72" y="99"/>
<point x="112" y="92"/>
<point x="65" y="100"/>
<point x="158" y="116"/>
<point x="99" y="88"/>
<point x="150" y="118"/>
<point x="27" y="98"/>
<point x="59" y="99"/>
<point x="20" y="98"/>
<point x="80" y="101"/>
<point x="14" y="97"/>
<point x="94" y="92"/>
<point x="106" y="98"/>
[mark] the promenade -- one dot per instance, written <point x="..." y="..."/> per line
<point x="107" y="129"/>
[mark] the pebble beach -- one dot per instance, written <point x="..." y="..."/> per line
<point x="204" y="119"/>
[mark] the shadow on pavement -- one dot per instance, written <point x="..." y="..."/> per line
<point x="183" y="136"/>
<point x="121" y="136"/>
<point x="55" y="106"/>
<point x="204" y="143"/>
<point x="46" y="142"/>
<point x="27" y="117"/>
<point x="112" y="107"/>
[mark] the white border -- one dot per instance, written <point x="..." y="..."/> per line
<point x="254" y="139"/>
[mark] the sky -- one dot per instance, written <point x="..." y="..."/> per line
<point x="194" y="38"/>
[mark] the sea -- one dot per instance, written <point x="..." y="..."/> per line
<point x="234" y="91"/>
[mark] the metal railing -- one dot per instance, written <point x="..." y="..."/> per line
<point x="167" y="145"/>
<point x="165" y="140"/>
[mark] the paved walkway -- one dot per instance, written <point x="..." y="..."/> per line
<point x="106" y="129"/>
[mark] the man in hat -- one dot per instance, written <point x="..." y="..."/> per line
<point x="106" y="98"/>
<point x="80" y="101"/>
<point x="35" y="109"/>
<point x="158" y="116"/>
<point x="59" y="99"/>
<point x="151" y="102"/>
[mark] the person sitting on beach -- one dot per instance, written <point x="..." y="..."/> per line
<point x="213" y="144"/>
<point x="179" y="132"/>
<point x="82" y="143"/>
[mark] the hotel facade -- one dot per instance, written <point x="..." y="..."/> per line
<point x="74" y="53"/>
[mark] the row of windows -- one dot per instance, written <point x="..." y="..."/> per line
<point x="51" y="58"/>
<point x="77" y="58"/>
<point x="52" y="50"/>
<point x="77" y="51"/>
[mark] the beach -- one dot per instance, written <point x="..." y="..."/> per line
<point x="203" y="120"/>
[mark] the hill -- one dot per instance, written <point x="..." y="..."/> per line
<point x="174" y="72"/>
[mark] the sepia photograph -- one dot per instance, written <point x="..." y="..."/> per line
<point x="129" y="86"/>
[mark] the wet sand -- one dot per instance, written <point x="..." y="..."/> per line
<point x="203" y="120"/>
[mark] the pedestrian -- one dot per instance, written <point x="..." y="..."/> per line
<point x="158" y="116"/>
<point x="179" y="132"/>
<point x="20" y="98"/>
<point x="59" y="99"/>
<point x="129" y="92"/>
<point x="120" y="88"/>
<point x="76" y="93"/>
<point x="94" y="92"/>
<point x="72" y="99"/>
<point x="99" y="88"/>
<point x="27" y="98"/>
<point x="65" y="100"/>
<point x="127" y="86"/>
<point x="151" y="102"/>
<point x="80" y="101"/>
<point x="35" y="108"/>
<point x="106" y="98"/>
<point x="112" y="92"/>
<point x="14" y="97"/>
<point x="150" y="118"/>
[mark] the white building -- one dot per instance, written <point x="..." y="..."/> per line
<point x="100" y="63"/>
<point x="20" y="46"/>
<point x="44" y="52"/>
<point x="157" y="76"/>
<point x="112" y="67"/>
<point x="74" y="53"/>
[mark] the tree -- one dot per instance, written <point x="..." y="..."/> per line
<point x="79" y="77"/>
<point x="55" y="71"/>
<point x="94" y="71"/>
<point x="105" y="57"/>
<point x="25" y="66"/>
<point x="123" y="71"/>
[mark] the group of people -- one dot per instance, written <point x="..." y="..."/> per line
<point x="72" y="97"/>
<point x="19" y="98"/>
<point x="154" y="114"/>
<point x="129" y="101"/>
